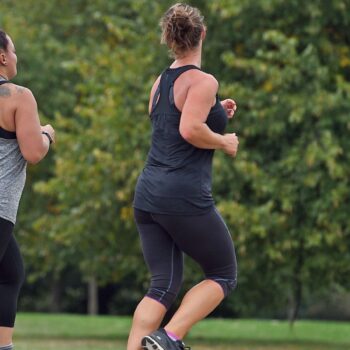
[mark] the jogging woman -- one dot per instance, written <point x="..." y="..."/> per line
<point x="173" y="205"/>
<point x="22" y="140"/>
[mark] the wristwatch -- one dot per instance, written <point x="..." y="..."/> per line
<point x="48" y="136"/>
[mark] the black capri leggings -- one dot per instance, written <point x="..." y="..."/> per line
<point x="205" y="238"/>
<point x="11" y="274"/>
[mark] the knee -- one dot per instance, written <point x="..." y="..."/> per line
<point x="227" y="285"/>
<point x="164" y="291"/>
<point x="226" y="277"/>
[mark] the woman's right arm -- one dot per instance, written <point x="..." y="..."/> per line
<point x="193" y="129"/>
<point x="33" y="144"/>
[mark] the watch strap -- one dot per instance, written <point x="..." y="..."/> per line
<point x="48" y="136"/>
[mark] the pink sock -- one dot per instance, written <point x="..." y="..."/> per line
<point x="172" y="336"/>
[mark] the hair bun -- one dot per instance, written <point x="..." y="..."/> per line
<point x="182" y="26"/>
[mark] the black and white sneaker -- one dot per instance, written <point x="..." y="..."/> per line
<point x="159" y="340"/>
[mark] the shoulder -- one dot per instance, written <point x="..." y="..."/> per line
<point x="209" y="80"/>
<point x="14" y="90"/>
<point x="203" y="81"/>
<point x="197" y="76"/>
<point x="22" y="94"/>
<point x="21" y="90"/>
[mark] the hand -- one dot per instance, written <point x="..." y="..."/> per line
<point x="230" y="107"/>
<point x="49" y="129"/>
<point x="230" y="144"/>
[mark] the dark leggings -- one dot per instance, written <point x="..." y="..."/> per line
<point x="205" y="238"/>
<point x="11" y="274"/>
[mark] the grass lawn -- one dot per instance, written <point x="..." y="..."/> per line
<point x="75" y="332"/>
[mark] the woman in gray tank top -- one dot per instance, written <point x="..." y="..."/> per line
<point x="22" y="140"/>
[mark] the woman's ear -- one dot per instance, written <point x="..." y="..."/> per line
<point x="3" y="58"/>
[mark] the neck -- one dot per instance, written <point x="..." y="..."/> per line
<point x="194" y="57"/>
<point x="3" y="76"/>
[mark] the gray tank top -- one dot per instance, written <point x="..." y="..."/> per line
<point x="12" y="174"/>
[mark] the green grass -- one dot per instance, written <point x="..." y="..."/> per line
<point x="72" y="332"/>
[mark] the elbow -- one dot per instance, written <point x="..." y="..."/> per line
<point x="188" y="133"/>
<point x="33" y="152"/>
<point x="33" y="157"/>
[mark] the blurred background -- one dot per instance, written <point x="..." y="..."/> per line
<point x="285" y="198"/>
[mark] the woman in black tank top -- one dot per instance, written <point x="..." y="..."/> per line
<point x="173" y="204"/>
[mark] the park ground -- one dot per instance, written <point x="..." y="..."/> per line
<point x="75" y="332"/>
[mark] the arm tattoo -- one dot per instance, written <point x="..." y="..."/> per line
<point x="5" y="91"/>
<point x="20" y="89"/>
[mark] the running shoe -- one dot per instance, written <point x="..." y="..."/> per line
<point x="159" y="340"/>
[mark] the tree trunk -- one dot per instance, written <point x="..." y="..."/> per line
<point x="297" y="287"/>
<point x="55" y="295"/>
<point x="92" y="296"/>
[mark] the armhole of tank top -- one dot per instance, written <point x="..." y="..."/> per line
<point x="157" y="95"/>
<point x="171" y="90"/>
<point x="155" y="99"/>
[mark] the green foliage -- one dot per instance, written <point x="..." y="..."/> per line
<point x="286" y="196"/>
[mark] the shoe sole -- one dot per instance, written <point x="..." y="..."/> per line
<point x="150" y="344"/>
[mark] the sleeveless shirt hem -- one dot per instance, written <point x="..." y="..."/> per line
<point x="10" y="219"/>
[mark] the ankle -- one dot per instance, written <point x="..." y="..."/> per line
<point x="173" y="336"/>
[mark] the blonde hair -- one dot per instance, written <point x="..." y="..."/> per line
<point x="182" y="26"/>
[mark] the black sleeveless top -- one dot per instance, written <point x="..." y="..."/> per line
<point x="177" y="176"/>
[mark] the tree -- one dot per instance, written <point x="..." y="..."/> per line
<point x="285" y="196"/>
<point x="101" y="147"/>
